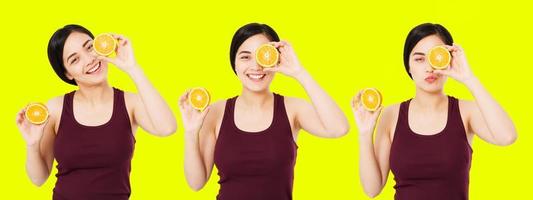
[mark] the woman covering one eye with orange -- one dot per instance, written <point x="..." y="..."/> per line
<point x="251" y="138"/>
<point x="90" y="132"/>
<point x="426" y="141"/>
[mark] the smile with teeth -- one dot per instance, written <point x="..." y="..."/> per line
<point x="256" y="76"/>
<point x="94" y="68"/>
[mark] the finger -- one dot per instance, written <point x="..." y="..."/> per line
<point x="118" y="36"/>
<point x="106" y="59"/>
<point x="183" y="98"/>
<point x="442" y="72"/>
<point x="122" y="41"/>
<point x="271" y="69"/>
<point x="205" y="111"/>
<point x="275" y="44"/>
<point x="19" y="119"/>
<point x="378" y="111"/>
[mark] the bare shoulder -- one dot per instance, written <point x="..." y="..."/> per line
<point x="131" y="97"/>
<point x="390" y="112"/>
<point x="388" y="119"/>
<point x="216" y="109"/>
<point x="55" y="106"/>
<point x="293" y="100"/>
<point x="214" y="117"/>
<point x="293" y="103"/>
<point x="466" y="105"/>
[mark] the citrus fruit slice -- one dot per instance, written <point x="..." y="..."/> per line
<point x="199" y="98"/>
<point x="36" y="113"/>
<point x="104" y="44"/>
<point x="439" y="57"/>
<point x="371" y="99"/>
<point x="267" y="55"/>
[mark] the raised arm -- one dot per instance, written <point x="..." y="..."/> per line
<point x="486" y="117"/>
<point x="321" y="117"/>
<point x="150" y="110"/>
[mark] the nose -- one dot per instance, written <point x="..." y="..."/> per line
<point x="92" y="53"/>
<point x="429" y="69"/>
<point x="256" y="65"/>
<point x="90" y="58"/>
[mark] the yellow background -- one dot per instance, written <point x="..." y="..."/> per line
<point x="345" y="46"/>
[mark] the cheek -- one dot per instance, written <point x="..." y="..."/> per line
<point x="240" y="66"/>
<point x="74" y="70"/>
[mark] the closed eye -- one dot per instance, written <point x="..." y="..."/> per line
<point x="74" y="60"/>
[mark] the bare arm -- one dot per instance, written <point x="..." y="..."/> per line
<point x="199" y="142"/>
<point x="150" y="110"/>
<point x="373" y="155"/>
<point x="486" y="117"/>
<point x="39" y="145"/>
<point x="322" y="117"/>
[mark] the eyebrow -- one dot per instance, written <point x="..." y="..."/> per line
<point x="243" y="52"/>
<point x="419" y="53"/>
<point x="86" y="42"/>
<point x="73" y="54"/>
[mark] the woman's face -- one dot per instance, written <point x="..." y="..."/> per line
<point x="421" y="70"/>
<point x="80" y="60"/>
<point x="249" y="72"/>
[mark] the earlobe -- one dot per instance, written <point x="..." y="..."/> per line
<point x="69" y="76"/>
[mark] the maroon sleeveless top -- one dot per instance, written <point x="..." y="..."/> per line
<point x="431" y="166"/>
<point x="94" y="161"/>
<point x="258" y="165"/>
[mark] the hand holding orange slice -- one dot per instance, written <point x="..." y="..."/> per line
<point x="267" y="55"/>
<point x="370" y="99"/>
<point x="199" y="98"/>
<point x="36" y="113"/>
<point x="439" y="57"/>
<point x="104" y="44"/>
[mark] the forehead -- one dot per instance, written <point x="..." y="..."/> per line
<point x="427" y="43"/>
<point x="253" y="42"/>
<point x="74" y="43"/>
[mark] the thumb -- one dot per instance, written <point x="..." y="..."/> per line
<point x="107" y="59"/>
<point x="271" y="69"/>
<point x="442" y="72"/>
<point x="205" y="111"/>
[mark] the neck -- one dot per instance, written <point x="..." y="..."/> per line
<point x="95" y="94"/>
<point x="429" y="101"/>
<point x="255" y="99"/>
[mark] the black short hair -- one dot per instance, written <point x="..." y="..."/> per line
<point x="420" y="32"/>
<point x="246" y="32"/>
<point x="55" y="49"/>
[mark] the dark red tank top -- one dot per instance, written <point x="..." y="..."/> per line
<point x="94" y="161"/>
<point x="431" y="166"/>
<point x="259" y="165"/>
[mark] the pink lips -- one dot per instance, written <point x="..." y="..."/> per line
<point x="431" y="78"/>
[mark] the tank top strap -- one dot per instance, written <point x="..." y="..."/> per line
<point x="119" y="104"/>
<point x="67" y="111"/>
<point x="280" y="112"/>
<point x="403" y="114"/>
<point x="454" y="118"/>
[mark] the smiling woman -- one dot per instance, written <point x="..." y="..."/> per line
<point x="251" y="138"/>
<point x="90" y="131"/>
